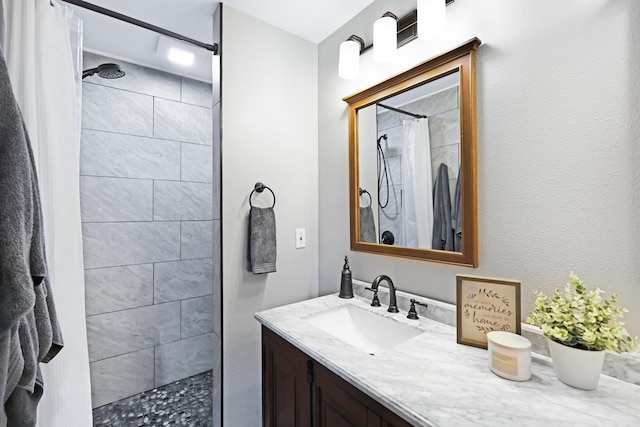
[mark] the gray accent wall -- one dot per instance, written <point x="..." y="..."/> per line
<point x="146" y="190"/>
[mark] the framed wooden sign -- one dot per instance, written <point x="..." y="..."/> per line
<point x="485" y="305"/>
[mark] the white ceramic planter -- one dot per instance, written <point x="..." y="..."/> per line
<point x="577" y="368"/>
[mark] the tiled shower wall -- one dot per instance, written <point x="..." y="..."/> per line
<point x="148" y="229"/>
<point x="443" y="110"/>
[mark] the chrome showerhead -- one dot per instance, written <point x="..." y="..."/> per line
<point x="106" y="71"/>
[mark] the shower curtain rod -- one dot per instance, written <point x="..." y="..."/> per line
<point x="397" y="110"/>
<point x="101" y="10"/>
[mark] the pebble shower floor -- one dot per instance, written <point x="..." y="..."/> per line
<point x="187" y="402"/>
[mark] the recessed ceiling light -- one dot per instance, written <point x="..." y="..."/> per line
<point x="180" y="56"/>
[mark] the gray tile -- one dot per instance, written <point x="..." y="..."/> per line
<point x="182" y="122"/>
<point x="393" y="145"/>
<point x="439" y="102"/>
<point x="120" y="332"/>
<point x="197" y="316"/>
<point x="115" y="110"/>
<point x="183" y="358"/>
<point x="392" y="204"/>
<point x="182" y="200"/>
<point x="197" y="163"/>
<point x="125" y="243"/>
<point x="217" y="162"/>
<point x="182" y="279"/>
<point x="118" y="155"/>
<point x="118" y="288"/>
<point x="121" y="376"/>
<point x="196" y="239"/>
<point x="115" y="199"/>
<point x="394" y="170"/>
<point x="444" y="129"/>
<point x="137" y="79"/>
<point x="448" y="155"/>
<point x="386" y="119"/>
<point x="197" y="93"/>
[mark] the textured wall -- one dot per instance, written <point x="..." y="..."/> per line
<point x="147" y="211"/>
<point x="558" y="157"/>
<point x="269" y="125"/>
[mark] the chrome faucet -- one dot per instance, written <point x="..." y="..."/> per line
<point x="393" y="307"/>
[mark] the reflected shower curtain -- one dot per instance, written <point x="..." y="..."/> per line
<point x="417" y="184"/>
<point x="42" y="42"/>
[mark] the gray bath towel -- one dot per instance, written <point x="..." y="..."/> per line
<point x="442" y="229"/>
<point x="11" y="365"/>
<point x="456" y="219"/>
<point x="262" y="240"/>
<point x="27" y="316"/>
<point x="367" y="225"/>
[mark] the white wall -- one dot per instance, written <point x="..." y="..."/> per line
<point x="558" y="157"/>
<point x="270" y="134"/>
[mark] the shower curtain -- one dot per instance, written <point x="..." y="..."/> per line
<point x="417" y="184"/>
<point x="42" y="48"/>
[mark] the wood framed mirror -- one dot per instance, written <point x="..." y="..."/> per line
<point x="412" y="162"/>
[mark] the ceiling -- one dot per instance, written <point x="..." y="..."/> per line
<point x="312" y="20"/>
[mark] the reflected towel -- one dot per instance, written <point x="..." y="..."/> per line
<point x="442" y="229"/>
<point x="457" y="217"/>
<point x="262" y="240"/>
<point x="367" y="225"/>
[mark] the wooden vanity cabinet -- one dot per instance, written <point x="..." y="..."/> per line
<point x="298" y="391"/>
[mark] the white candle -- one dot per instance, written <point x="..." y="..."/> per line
<point x="509" y="355"/>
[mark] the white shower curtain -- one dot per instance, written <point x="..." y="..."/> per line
<point x="417" y="184"/>
<point x="39" y="55"/>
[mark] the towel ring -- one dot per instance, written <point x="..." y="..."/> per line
<point x="361" y="191"/>
<point x="260" y="187"/>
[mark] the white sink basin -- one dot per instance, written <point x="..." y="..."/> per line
<point x="363" y="329"/>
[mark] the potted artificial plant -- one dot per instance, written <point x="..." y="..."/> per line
<point x="580" y="325"/>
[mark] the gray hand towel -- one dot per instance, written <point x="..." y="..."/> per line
<point x="442" y="230"/>
<point x="262" y="240"/>
<point x="367" y="225"/>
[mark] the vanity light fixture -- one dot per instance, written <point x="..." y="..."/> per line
<point x="349" y="61"/>
<point x="385" y="38"/>
<point x="432" y="18"/>
<point x="390" y="33"/>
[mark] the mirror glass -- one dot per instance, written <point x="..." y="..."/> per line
<point x="413" y="162"/>
<point x="409" y="167"/>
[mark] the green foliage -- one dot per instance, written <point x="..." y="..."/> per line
<point x="582" y="319"/>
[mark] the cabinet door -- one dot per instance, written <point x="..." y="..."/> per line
<point x="286" y="393"/>
<point x="337" y="403"/>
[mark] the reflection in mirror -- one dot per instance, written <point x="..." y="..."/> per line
<point x="412" y="167"/>
<point x="410" y="159"/>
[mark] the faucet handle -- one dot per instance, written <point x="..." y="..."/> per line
<point x="375" y="302"/>
<point x="413" y="315"/>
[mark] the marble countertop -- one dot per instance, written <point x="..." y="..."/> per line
<point x="431" y="380"/>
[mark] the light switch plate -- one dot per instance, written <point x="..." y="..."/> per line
<point x="301" y="238"/>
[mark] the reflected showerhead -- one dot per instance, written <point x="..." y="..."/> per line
<point x="106" y="71"/>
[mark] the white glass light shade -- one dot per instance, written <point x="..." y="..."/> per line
<point x="385" y="39"/>
<point x="432" y="18"/>
<point x="349" y="61"/>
